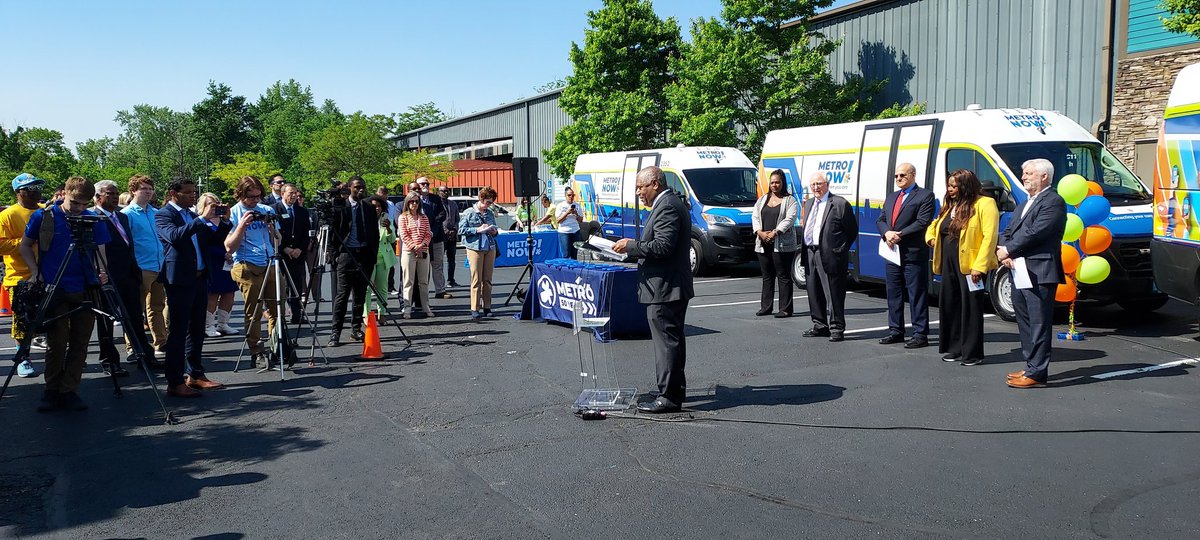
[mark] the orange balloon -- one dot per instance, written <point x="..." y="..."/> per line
<point x="1066" y="291"/>
<point x="1095" y="239"/>
<point x="1095" y="189"/>
<point x="1070" y="258"/>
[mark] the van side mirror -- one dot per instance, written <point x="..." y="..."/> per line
<point x="1004" y="200"/>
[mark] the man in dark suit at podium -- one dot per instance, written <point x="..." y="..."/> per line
<point x="664" y="283"/>
<point x="1035" y="234"/>
<point x="906" y="214"/>
<point x="294" y="243"/>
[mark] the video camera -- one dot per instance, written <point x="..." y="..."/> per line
<point x="326" y="200"/>
<point x="259" y="216"/>
<point x="83" y="228"/>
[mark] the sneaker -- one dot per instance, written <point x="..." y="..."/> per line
<point x="453" y="284"/>
<point x="72" y="402"/>
<point x="25" y="370"/>
<point x="475" y="314"/>
<point x="49" y="401"/>
<point x="445" y="295"/>
<point x="487" y="312"/>
<point x="39" y="343"/>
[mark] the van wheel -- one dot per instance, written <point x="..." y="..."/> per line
<point x="696" y="258"/>
<point x="1000" y="290"/>
<point x="799" y="274"/>
<point x="1143" y="305"/>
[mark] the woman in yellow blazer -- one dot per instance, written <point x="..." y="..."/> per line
<point x="963" y="238"/>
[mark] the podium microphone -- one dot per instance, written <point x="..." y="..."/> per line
<point x="599" y="230"/>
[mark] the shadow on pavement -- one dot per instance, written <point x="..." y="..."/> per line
<point x="728" y="397"/>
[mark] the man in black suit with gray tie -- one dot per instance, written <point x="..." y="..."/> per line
<point x="830" y="228"/>
<point x="664" y="283"/>
<point x="1035" y="234"/>
<point x="294" y="226"/>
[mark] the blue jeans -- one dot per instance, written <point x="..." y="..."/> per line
<point x="566" y="244"/>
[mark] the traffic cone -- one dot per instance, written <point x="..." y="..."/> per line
<point x="371" y="347"/>
<point x="5" y="304"/>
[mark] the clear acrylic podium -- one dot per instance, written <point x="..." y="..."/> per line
<point x="597" y="372"/>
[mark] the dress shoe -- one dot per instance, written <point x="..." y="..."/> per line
<point x="182" y="390"/>
<point x="762" y="312"/>
<point x="816" y="332"/>
<point x="782" y="315"/>
<point x="917" y="342"/>
<point x="971" y="362"/>
<point x="356" y="334"/>
<point x="445" y="296"/>
<point x="892" y="339"/>
<point x="113" y="368"/>
<point x="71" y="401"/>
<point x="153" y="363"/>
<point x="1025" y="382"/>
<point x="658" y="406"/>
<point x="836" y="337"/>
<point x="49" y="401"/>
<point x="200" y="382"/>
<point x="951" y="357"/>
<point x="334" y="341"/>
<point x="1015" y="375"/>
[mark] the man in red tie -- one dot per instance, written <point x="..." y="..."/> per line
<point x="126" y="278"/>
<point x="906" y="214"/>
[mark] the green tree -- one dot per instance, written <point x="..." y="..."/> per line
<point x="408" y="166"/>
<point x="552" y="85"/>
<point x="47" y="156"/>
<point x="226" y="175"/>
<point x="12" y="155"/>
<point x="1184" y="16"/>
<point x="416" y="117"/>
<point x="284" y="118"/>
<point x="94" y="161"/>
<point x="159" y="142"/>
<point x="222" y="123"/>
<point x="615" y="95"/>
<point x="745" y="74"/>
<point x="358" y="146"/>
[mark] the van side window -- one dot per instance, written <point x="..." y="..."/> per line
<point x="964" y="158"/>
<point x="675" y="183"/>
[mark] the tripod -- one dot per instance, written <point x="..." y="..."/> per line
<point x="90" y="259"/>
<point x="528" y="271"/>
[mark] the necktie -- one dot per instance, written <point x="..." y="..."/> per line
<point x="117" y="223"/>
<point x="189" y="216"/>
<point x="360" y="223"/>
<point x="811" y="223"/>
<point x="896" y="207"/>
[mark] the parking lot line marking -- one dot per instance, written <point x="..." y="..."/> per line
<point x="741" y="303"/>
<point x="878" y="328"/>
<point x="720" y="280"/>
<point x="1123" y="372"/>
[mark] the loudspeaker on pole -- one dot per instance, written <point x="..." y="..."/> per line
<point x="525" y="177"/>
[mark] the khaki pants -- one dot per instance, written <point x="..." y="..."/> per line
<point x="154" y="305"/>
<point x="482" y="263"/>
<point x="67" y="342"/>
<point x="256" y="284"/>
<point x="416" y="279"/>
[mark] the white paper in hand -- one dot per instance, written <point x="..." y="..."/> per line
<point x="889" y="253"/>
<point x="972" y="286"/>
<point x="1020" y="274"/>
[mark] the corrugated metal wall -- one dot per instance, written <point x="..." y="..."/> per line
<point x="531" y="124"/>
<point x="1047" y="54"/>
<point x="501" y="180"/>
<point x="1146" y="32"/>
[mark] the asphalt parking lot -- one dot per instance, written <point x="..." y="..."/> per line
<point x="468" y="433"/>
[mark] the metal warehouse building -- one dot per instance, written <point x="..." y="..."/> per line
<point x="1107" y="64"/>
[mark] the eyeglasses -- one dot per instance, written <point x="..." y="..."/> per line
<point x="259" y="196"/>
<point x="488" y="201"/>
<point x="901" y="176"/>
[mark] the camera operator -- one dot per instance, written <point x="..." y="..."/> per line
<point x="126" y="278"/>
<point x="354" y="236"/>
<point x="252" y="243"/>
<point x="294" y="226"/>
<point x="13" y="221"/>
<point x="67" y="337"/>
<point x="185" y="236"/>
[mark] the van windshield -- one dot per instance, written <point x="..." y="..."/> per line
<point x="724" y="187"/>
<point x="1088" y="159"/>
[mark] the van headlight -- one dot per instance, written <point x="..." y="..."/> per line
<point x="713" y="219"/>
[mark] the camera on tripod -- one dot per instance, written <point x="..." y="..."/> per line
<point x="83" y="229"/>
<point x="326" y="200"/>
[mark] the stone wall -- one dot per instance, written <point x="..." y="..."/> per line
<point x="1140" y="97"/>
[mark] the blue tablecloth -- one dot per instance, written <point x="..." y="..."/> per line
<point x="604" y="290"/>
<point x="512" y="248"/>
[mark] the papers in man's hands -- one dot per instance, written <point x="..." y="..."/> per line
<point x="1020" y="274"/>
<point x="605" y="246"/>
<point x="973" y="286"/>
<point x="889" y="253"/>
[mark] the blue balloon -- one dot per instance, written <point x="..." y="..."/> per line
<point x="1093" y="210"/>
<point x="1070" y="209"/>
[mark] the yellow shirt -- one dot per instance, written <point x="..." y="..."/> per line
<point x="12" y="228"/>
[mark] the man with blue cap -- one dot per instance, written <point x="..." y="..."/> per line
<point x="28" y="189"/>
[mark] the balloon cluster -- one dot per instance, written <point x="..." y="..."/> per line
<point x="1084" y="236"/>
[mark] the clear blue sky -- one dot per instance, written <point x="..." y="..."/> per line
<point x="71" y="65"/>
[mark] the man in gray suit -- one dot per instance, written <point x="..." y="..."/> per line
<point x="664" y="283"/>
<point x="1035" y="234"/>
<point x="830" y="228"/>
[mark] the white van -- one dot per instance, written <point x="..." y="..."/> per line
<point x="1176" y="246"/>
<point x="718" y="184"/>
<point x="859" y="159"/>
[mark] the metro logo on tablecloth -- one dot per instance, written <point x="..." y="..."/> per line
<point x="520" y="249"/>
<point x="564" y="295"/>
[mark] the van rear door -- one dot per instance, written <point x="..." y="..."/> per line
<point x="884" y="146"/>
<point x="631" y="208"/>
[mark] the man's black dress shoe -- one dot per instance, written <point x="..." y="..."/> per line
<point x="892" y="339"/>
<point x="335" y="341"/>
<point x="114" y="368"/>
<point x="356" y="335"/>
<point x="762" y="312"/>
<point x="971" y="362"/>
<point x="917" y="342"/>
<point x="816" y="332"/>
<point x="836" y="337"/>
<point x="658" y="406"/>
<point x="782" y="315"/>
